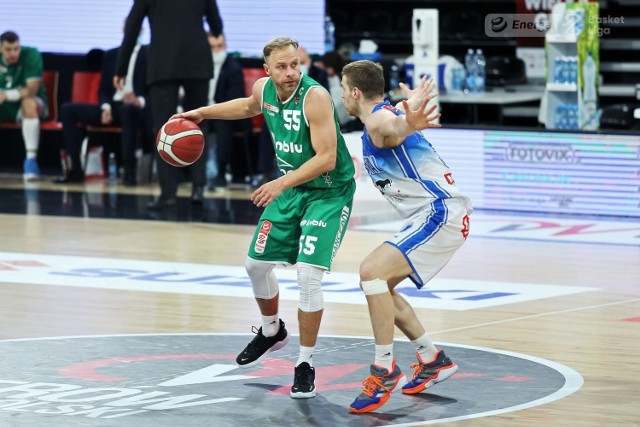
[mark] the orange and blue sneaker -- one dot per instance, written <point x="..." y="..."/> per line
<point x="377" y="388"/>
<point x="426" y="375"/>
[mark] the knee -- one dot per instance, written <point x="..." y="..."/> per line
<point x="310" y="283"/>
<point x="29" y="108"/>
<point x="368" y="270"/>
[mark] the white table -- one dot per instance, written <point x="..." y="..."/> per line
<point x="497" y="96"/>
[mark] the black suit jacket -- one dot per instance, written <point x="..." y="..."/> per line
<point x="108" y="70"/>
<point x="179" y="48"/>
<point x="319" y="75"/>
<point x="230" y="84"/>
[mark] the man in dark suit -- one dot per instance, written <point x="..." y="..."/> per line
<point x="227" y="84"/>
<point x="179" y="55"/>
<point x="127" y="108"/>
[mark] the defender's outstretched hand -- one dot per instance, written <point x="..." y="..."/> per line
<point x="424" y="91"/>
<point x="423" y="117"/>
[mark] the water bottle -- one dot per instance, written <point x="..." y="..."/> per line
<point x="329" y="35"/>
<point x="394" y="79"/>
<point x="470" y="65"/>
<point x="589" y="96"/>
<point x="480" y="70"/>
<point x="112" y="168"/>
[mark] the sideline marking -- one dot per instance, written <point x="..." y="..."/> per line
<point x="232" y="281"/>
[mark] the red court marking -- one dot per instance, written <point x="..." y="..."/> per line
<point x="87" y="370"/>
<point x="515" y="379"/>
<point x="26" y="263"/>
<point x="632" y="319"/>
<point x="460" y="375"/>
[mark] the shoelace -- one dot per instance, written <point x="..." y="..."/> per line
<point x="371" y="384"/>
<point x="417" y="368"/>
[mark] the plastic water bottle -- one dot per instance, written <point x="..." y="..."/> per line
<point x="480" y="70"/>
<point x="112" y="168"/>
<point x="394" y="79"/>
<point x="329" y="35"/>
<point x="589" y="95"/>
<point x="470" y="65"/>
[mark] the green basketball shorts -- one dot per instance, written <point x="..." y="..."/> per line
<point x="304" y="225"/>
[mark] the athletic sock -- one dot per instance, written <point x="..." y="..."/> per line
<point x="31" y="136"/>
<point x="425" y="348"/>
<point x="384" y="356"/>
<point x="270" y="325"/>
<point x="306" y="355"/>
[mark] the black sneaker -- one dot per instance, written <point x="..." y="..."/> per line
<point x="304" y="385"/>
<point x="260" y="346"/>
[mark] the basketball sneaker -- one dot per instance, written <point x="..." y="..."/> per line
<point x="31" y="170"/>
<point x="426" y="375"/>
<point x="304" y="382"/>
<point x="377" y="388"/>
<point x="260" y="346"/>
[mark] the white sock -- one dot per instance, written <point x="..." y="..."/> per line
<point x="31" y="136"/>
<point x="384" y="356"/>
<point x="270" y="325"/>
<point x="425" y="348"/>
<point x="306" y="355"/>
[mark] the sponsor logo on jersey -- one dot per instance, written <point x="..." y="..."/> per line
<point x="383" y="184"/>
<point x="449" y="178"/>
<point x="371" y="165"/>
<point x="270" y="107"/>
<point x="263" y="235"/>
<point x="313" y="223"/>
<point x="288" y="147"/>
<point x="344" y="217"/>
<point x="390" y="108"/>
<point x="465" y="227"/>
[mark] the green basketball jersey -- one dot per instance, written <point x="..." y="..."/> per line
<point x="291" y="136"/>
<point x="29" y="66"/>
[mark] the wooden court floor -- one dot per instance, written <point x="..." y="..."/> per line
<point x="596" y="333"/>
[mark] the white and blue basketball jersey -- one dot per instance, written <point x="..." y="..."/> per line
<point x="411" y="176"/>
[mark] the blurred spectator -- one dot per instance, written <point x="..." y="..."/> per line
<point x="125" y="107"/>
<point x="227" y="84"/>
<point x="310" y="69"/>
<point x="333" y="63"/>
<point x="23" y="98"/>
<point x="179" y="55"/>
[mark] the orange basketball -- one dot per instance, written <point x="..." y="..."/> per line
<point x="180" y="142"/>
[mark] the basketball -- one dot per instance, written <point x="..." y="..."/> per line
<point x="180" y="142"/>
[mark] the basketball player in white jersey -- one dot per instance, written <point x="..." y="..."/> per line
<point x="415" y="180"/>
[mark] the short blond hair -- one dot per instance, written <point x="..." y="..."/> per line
<point x="367" y="76"/>
<point x="278" y="43"/>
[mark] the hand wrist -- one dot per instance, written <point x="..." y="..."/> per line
<point x="13" y="95"/>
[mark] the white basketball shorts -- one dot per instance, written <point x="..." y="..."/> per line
<point x="431" y="236"/>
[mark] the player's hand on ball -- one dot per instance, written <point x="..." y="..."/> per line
<point x="193" y="115"/>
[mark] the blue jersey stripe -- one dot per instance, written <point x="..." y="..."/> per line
<point x="437" y="218"/>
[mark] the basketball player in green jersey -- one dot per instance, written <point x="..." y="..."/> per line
<point x="306" y="209"/>
<point x="22" y="95"/>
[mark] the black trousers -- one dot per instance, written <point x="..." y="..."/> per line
<point x="130" y="118"/>
<point x="163" y="97"/>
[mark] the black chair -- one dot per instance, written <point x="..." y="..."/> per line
<point x="619" y="117"/>
<point x="505" y="71"/>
